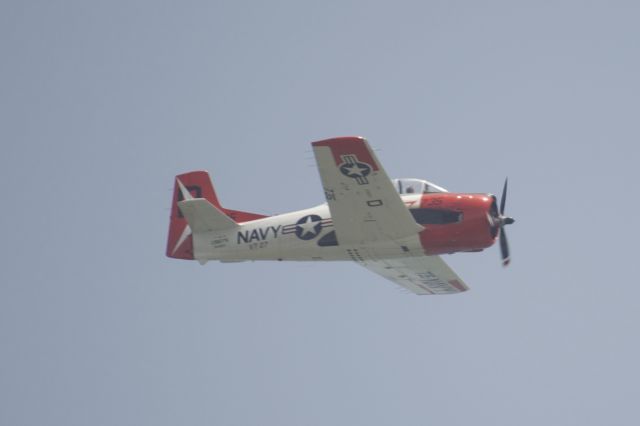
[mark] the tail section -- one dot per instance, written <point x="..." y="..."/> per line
<point x="189" y="194"/>
<point x="203" y="216"/>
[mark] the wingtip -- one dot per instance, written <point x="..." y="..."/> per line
<point x="339" y="139"/>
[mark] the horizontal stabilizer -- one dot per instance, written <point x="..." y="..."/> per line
<point x="203" y="216"/>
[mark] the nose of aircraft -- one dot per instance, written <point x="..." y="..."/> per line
<point x="497" y="221"/>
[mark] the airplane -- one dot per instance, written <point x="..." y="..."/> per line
<point x="395" y="228"/>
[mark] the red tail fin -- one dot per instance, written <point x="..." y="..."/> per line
<point x="198" y="184"/>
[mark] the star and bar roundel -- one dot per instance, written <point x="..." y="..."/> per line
<point x="307" y="227"/>
<point x="355" y="169"/>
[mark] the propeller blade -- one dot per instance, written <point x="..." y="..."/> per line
<point x="491" y="220"/>
<point x="504" y="247"/>
<point x="503" y="200"/>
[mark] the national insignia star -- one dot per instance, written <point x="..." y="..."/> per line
<point x="308" y="227"/>
<point x="355" y="170"/>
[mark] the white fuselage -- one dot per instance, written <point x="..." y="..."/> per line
<point x="301" y="235"/>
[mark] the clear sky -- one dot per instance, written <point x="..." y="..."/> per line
<point x="102" y="103"/>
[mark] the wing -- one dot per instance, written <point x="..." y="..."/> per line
<point x="421" y="275"/>
<point x="364" y="205"/>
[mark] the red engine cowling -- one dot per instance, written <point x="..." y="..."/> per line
<point x="456" y="222"/>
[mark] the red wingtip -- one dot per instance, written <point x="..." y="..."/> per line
<point x="349" y="146"/>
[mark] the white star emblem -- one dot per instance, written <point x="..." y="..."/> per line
<point x="355" y="170"/>
<point x="186" y="195"/>
<point x="183" y="237"/>
<point x="307" y="227"/>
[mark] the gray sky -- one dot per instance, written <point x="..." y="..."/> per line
<point x="102" y="103"/>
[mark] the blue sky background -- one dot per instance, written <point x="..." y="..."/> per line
<point x="102" y="103"/>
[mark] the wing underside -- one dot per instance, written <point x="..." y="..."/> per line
<point x="420" y="275"/>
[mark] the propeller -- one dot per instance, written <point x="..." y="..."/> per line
<point x="501" y="221"/>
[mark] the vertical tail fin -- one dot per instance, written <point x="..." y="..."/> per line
<point x="195" y="184"/>
<point x="198" y="184"/>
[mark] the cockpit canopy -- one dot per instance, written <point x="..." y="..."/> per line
<point x="416" y="186"/>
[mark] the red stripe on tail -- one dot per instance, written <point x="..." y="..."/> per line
<point x="198" y="183"/>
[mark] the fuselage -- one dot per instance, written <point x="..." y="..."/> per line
<point x="452" y="223"/>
